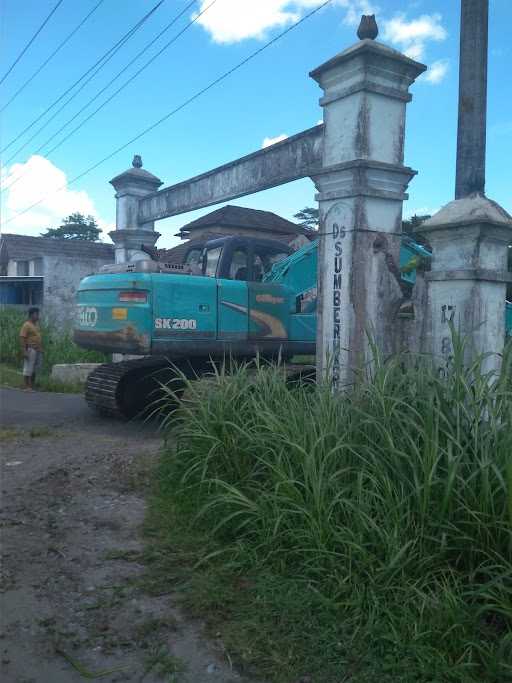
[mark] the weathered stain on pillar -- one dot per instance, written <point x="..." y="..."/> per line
<point x="362" y="133"/>
<point x="471" y="132"/>
<point x="399" y="142"/>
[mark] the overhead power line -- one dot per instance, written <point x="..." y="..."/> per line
<point x="190" y="23"/>
<point x="98" y="94"/>
<point x="31" y="41"/>
<point x="95" y="68"/>
<point x="52" y="55"/>
<point x="124" y="85"/>
<point x="184" y="104"/>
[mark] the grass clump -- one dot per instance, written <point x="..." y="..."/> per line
<point x="362" y="537"/>
<point x="58" y="344"/>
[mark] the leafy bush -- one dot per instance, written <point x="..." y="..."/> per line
<point x="390" y="507"/>
<point x="58" y="345"/>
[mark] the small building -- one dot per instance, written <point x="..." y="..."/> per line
<point x="235" y="220"/>
<point x="46" y="272"/>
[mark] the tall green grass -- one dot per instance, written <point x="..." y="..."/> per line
<point x="58" y="345"/>
<point x="392" y="506"/>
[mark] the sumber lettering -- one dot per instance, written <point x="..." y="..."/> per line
<point x="338" y="233"/>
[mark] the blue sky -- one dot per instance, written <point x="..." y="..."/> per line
<point x="270" y="97"/>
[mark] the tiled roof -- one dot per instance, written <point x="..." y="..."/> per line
<point x="241" y="217"/>
<point x="23" y="247"/>
<point x="177" y="254"/>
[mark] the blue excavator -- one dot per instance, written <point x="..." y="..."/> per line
<point x="243" y="297"/>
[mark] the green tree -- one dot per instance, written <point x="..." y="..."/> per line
<point x="413" y="222"/>
<point x="308" y="217"/>
<point x="75" y="227"/>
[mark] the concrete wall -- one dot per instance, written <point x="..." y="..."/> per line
<point x="412" y="332"/>
<point x="62" y="277"/>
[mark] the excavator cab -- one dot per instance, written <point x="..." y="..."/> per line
<point x="242" y="258"/>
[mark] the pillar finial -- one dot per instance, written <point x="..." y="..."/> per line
<point x="137" y="161"/>
<point x="368" y="27"/>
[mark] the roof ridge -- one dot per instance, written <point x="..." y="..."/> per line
<point x="46" y="237"/>
<point x="27" y="247"/>
<point x="262" y="219"/>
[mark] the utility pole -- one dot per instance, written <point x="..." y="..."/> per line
<point x="471" y="132"/>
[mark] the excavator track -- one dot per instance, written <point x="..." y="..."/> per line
<point x="130" y="388"/>
<point x="102" y="391"/>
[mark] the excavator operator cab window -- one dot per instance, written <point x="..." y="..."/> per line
<point x="194" y="260"/>
<point x="238" y="265"/>
<point x="193" y="257"/>
<point x="264" y="260"/>
<point x="258" y="268"/>
<point x="211" y="261"/>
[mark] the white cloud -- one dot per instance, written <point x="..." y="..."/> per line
<point x="355" y="8"/>
<point x="41" y="179"/>
<point x="437" y="71"/>
<point x="231" y="21"/>
<point x="271" y="141"/>
<point x="412" y="36"/>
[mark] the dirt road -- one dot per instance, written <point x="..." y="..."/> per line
<point x="71" y="514"/>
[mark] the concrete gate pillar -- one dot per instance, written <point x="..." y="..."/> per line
<point x="361" y="188"/>
<point x="129" y="235"/>
<point x="469" y="236"/>
<point x="468" y="278"/>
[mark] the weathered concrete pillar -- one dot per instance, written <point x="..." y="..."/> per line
<point x="129" y="235"/>
<point x="361" y="189"/>
<point x="467" y="282"/>
<point x="469" y="236"/>
<point x="471" y="131"/>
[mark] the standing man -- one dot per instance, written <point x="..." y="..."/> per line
<point x="31" y="346"/>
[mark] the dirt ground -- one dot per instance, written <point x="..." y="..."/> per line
<point x="70" y="528"/>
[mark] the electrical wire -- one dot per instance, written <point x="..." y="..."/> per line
<point x="184" y="104"/>
<point x="23" y="175"/>
<point x="65" y="104"/>
<point x="98" y="65"/>
<point x="139" y="54"/>
<point x="31" y="41"/>
<point x="52" y="55"/>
